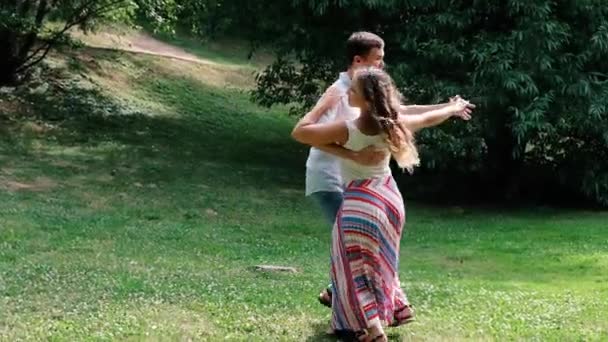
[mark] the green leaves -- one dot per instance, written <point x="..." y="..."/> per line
<point x="599" y="40"/>
<point x="538" y="75"/>
<point x="28" y="40"/>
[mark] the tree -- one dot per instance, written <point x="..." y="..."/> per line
<point x="251" y="20"/>
<point x="538" y="69"/>
<point x="26" y="38"/>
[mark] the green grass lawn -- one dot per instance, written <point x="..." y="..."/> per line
<point x="121" y="223"/>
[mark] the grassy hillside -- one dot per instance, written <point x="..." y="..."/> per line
<point x="138" y="192"/>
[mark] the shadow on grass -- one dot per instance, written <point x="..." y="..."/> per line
<point x="320" y="333"/>
<point x="211" y="130"/>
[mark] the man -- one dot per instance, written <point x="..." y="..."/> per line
<point x="323" y="179"/>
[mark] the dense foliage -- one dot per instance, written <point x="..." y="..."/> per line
<point x="537" y="69"/>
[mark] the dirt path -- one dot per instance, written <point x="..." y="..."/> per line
<point x="139" y="42"/>
<point x="143" y="43"/>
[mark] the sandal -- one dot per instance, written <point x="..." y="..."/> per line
<point x="343" y="335"/>
<point x="350" y="336"/>
<point x="375" y="334"/>
<point x="363" y="336"/>
<point x="379" y="338"/>
<point x="359" y="336"/>
<point x="402" y="316"/>
<point x="325" y="297"/>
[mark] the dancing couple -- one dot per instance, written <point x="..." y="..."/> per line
<point x="354" y="129"/>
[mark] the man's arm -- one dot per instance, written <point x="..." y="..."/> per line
<point x="368" y="156"/>
<point x="308" y="131"/>
<point x="328" y="101"/>
<point x="419" y="109"/>
<point x="336" y="150"/>
<point x="459" y="108"/>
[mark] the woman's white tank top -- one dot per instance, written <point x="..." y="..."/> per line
<point x="356" y="142"/>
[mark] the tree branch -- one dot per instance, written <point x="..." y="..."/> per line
<point x="30" y="38"/>
<point x="32" y="60"/>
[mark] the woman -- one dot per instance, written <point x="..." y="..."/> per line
<point x="365" y="240"/>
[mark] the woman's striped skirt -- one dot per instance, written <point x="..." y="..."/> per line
<point x="365" y="256"/>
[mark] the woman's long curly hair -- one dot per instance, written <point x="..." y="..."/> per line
<point x="380" y="93"/>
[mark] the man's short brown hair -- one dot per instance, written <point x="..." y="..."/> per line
<point x="361" y="44"/>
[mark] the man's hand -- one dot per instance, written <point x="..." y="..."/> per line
<point x="455" y="98"/>
<point x="467" y="107"/>
<point x="369" y="156"/>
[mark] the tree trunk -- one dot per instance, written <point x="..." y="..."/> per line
<point x="18" y="46"/>
<point x="8" y="62"/>
<point x="8" y="75"/>
<point x="30" y="38"/>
